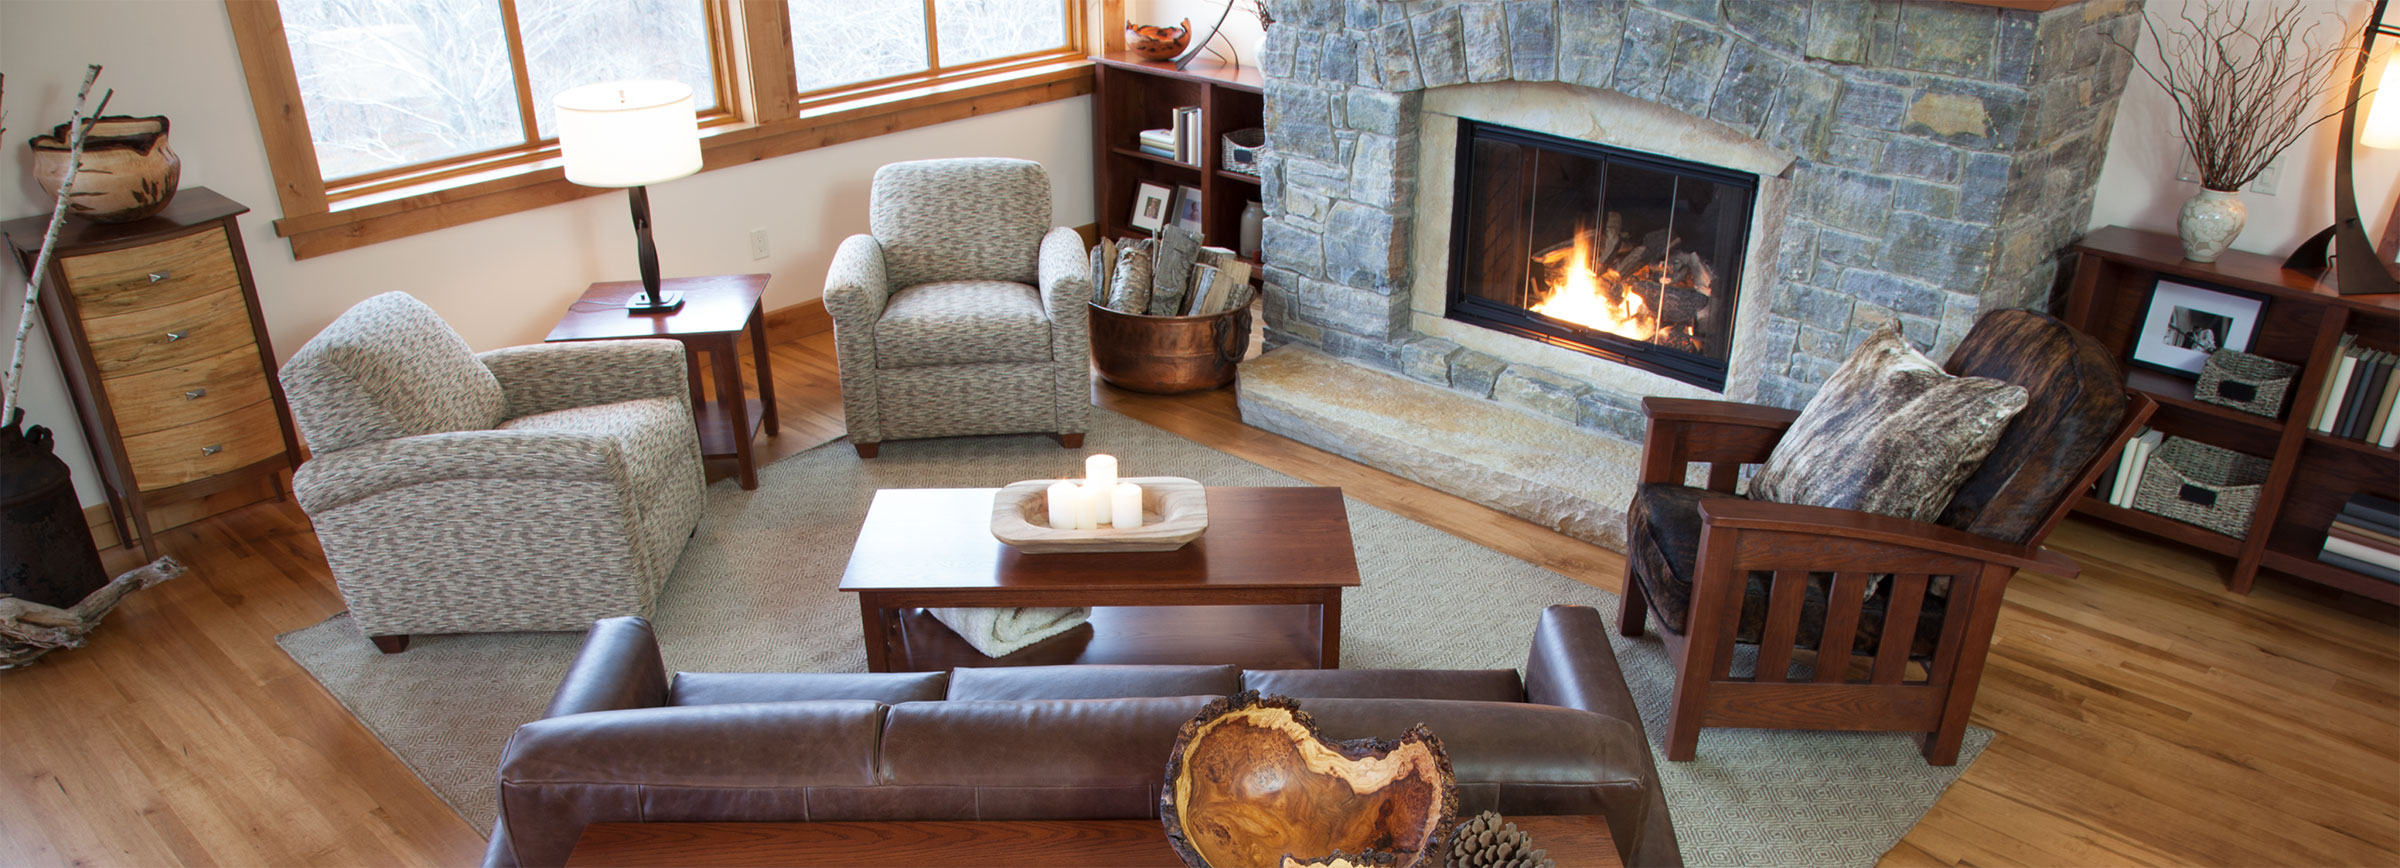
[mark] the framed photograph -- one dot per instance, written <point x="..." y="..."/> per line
<point x="1150" y="208"/>
<point x="2183" y="322"/>
<point x="1187" y="208"/>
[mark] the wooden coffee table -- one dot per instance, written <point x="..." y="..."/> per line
<point x="1262" y="588"/>
<point x="1573" y="841"/>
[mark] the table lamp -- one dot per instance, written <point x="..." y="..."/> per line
<point x="2358" y="267"/>
<point x="629" y="134"/>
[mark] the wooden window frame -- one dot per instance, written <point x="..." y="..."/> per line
<point x="760" y="115"/>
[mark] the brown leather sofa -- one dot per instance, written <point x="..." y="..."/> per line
<point x="621" y="743"/>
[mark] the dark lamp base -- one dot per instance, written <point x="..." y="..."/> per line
<point x="668" y="302"/>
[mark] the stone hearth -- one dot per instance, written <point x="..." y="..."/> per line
<point x="1920" y="161"/>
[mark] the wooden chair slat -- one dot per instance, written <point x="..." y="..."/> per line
<point x="1783" y="623"/>
<point x="1841" y="625"/>
<point x="1963" y="589"/>
<point x="1721" y="475"/>
<point x="1899" y="628"/>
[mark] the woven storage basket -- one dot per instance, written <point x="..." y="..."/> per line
<point x="2196" y="483"/>
<point x="2251" y="384"/>
<point x="1246" y="151"/>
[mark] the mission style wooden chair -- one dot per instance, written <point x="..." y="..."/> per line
<point x="1718" y="569"/>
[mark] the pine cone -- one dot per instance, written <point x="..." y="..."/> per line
<point x="1487" y="842"/>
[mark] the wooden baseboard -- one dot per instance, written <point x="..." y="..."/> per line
<point x="797" y="321"/>
<point x="106" y="535"/>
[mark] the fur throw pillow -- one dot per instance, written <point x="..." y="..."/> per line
<point x="1889" y="433"/>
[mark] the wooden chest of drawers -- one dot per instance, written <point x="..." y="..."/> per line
<point x="158" y="334"/>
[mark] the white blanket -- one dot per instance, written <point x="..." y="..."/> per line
<point x="1000" y="632"/>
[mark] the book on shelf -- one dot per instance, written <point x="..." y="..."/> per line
<point x="2371" y="511"/>
<point x="2362" y="567"/>
<point x="1184" y="132"/>
<point x="2389" y="560"/>
<point x="1161" y="137"/>
<point x="2127" y="477"/>
<point x="2365" y="538"/>
<point x="1156" y="151"/>
<point x="2361" y="397"/>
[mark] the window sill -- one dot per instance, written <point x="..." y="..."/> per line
<point x="458" y="199"/>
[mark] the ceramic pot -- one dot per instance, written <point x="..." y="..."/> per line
<point x="1156" y="42"/>
<point x="2211" y="219"/>
<point x="46" y="551"/>
<point x="128" y="171"/>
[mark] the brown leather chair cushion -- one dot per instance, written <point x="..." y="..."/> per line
<point x="889" y="688"/>
<point x="2076" y="401"/>
<point x="1039" y="743"/>
<point x="1483" y="685"/>
<point x="1092" y="682"/>
<point x="1662" y="535"/>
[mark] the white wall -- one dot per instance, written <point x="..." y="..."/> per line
<point x="2137" y="184"/>
<point x="502" y="281"/>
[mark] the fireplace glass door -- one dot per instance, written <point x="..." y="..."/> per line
<point x="1628" y="256"/>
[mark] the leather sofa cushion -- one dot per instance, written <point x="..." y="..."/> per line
<point x="1662" y="534"/>
<point x="889" y="688"/>
<point x="962" y="322"/>
<point x="1091" y="682"/>
<point x="1098" y="743"/>
<point x="742" y="745"/>
<point x="1486" y="685"/>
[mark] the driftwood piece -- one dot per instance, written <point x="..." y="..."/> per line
<point x="1252" y="782"/>
<point x="29" y="630"/>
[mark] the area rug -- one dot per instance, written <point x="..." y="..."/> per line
<point x="756" y="592"/>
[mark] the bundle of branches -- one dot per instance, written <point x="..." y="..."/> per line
<point x="2246" y="82"/>
<point x="29" y="630"/>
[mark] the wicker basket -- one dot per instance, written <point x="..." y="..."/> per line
<point x="1245" y="151"/>
<point x="2195" y="483"/>
<point x="2251" y="384"/>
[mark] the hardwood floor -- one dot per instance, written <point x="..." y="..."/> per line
<point x="2146" y="716"/>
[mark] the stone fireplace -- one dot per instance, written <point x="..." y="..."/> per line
<point x="1734" y="193"/>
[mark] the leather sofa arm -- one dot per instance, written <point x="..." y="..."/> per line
<point x="1573" y="666"/>
<point x="331" y="480"/>
<point x="618" y="668"/>
<point x="544" y="377"/>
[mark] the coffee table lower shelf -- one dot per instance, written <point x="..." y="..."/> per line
<point x="1253" y="637"/>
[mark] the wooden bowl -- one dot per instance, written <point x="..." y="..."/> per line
<point x="1158" y="41"/>
<point x="1252" y="782"/>
<point x="1174" y="512"/>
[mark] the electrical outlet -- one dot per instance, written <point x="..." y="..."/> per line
<point x="2268" y="179"/>
<point x="758" y="243"/>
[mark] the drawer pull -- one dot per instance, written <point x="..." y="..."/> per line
<point x="212" y="450"/>
<point x="157" y="276"/>
<point x="195" y="394"/>
<point x="178" y="335"/>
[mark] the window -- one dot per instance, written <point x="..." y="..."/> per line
<point x="385" y="118"/>
<point x="389" y="84"/>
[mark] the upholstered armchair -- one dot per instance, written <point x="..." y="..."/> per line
<point x="962" y="312"/>
<point x="1899" y="613"/>
<point x="529" y="488"/>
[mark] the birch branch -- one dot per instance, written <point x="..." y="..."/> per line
<point x="77" y="132"/>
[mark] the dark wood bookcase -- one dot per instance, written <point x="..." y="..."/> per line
<point x="1130" y="95"/>
<point x="2302" y="323"/>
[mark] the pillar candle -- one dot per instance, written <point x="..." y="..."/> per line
<point x="1100" y="473"/>
<point x="1125" y="506"/>
<point x="1061" y="499"/>
<point x="1089" y="508"/>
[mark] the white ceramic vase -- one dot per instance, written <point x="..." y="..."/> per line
<point x="2211" y="219"/>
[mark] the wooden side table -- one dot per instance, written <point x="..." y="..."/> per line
<point x="715" y="312"/>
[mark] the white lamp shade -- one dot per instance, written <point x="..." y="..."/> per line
<point x="628" y="133"/>
<point x="2383" y="117"/>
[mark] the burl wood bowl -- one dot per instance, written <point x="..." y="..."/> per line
<point x="1156" y="41"/>
<point x="1252" y="782"/>
<point x="1174" y="512"/>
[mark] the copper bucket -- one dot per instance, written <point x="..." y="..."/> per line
<point x="1169" y="355"/>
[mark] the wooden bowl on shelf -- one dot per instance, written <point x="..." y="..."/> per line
<point x="1174" y="512"/>
<point x="1158" y="41"/>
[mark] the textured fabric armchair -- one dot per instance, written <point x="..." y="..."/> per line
<point x="529" y="488"/>
<point x="963" y="312"/>
<point x="1872" y="595"/>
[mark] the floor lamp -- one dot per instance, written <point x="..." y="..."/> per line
<point x="631" y="134"/>
<point x="2359" y="269"/>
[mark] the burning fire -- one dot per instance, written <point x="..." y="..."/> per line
<point x="1579" y="293"/>
<point x="1606" y="281"/>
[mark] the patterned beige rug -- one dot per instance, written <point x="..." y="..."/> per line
<point x="755" y="591"/>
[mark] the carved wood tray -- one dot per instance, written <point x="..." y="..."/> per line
<point x="1174" y="512"/>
